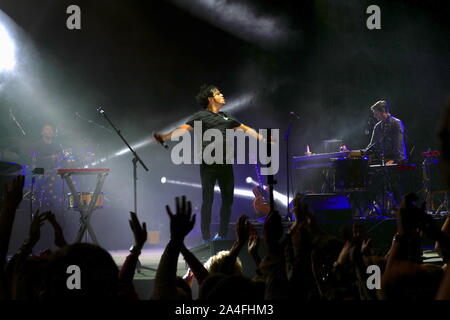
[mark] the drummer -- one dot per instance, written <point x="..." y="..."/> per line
<point x="46" y="152"/>
<point x="47" y="155"/>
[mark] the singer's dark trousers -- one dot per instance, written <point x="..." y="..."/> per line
<point x="223" y="174"/>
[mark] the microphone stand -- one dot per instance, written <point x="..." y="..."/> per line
<point x="286" y="138"/>
<point x="270" y="179"/>
<point x="134" y="161"/>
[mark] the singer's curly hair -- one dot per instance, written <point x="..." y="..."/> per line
<point x="381" y="106"/>
<point x="206" y="90"/>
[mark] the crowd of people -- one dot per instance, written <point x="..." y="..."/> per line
<point x="303" y="263"/>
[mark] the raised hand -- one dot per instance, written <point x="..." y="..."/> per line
<point x="13" y="194"/>
<point x="302" y="220"/>
<point x="359" y="235"/>
<point x="139" y="231"/>
<point x="60" y="241"/>
<point x="189" y="277"/>
<point x="253" y="244"/>
<point x="301" y="212"/>
<point x="344" y="254"/>
<point x="253" y="240"/>
<point x="158" y="137"/>
<point x="431" y="229"/>
<point x="242" y="230"/>
<point x="409" y="213"/>
<point x="273" y="230"/>
<point x="35" y="228"/>
<point x="366" y="247"/>
<point x="182" y="222"/>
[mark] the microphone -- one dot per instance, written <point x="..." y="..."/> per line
<point x="161" y="141"/>
<point x="370" y="121"/>
<point x="295" y="115"/>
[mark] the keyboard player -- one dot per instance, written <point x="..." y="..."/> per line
<point x="388" y="136"/>
<point x="387" y="147"/>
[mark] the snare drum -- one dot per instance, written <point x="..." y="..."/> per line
<point x="85" y="198"/>
<point x="350" y="174"/>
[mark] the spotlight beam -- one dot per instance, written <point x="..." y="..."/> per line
<point x="281" y="198"/>
<point x="7" y="51"/>
<point x="241" y="20"/>
<point x="239" y="192"/>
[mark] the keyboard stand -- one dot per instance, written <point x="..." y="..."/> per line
<point x="85" y="209"/>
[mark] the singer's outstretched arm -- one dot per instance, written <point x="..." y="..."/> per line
<point x="174" y="133"/>
<point x="161" y="137"/>
<point x="252" y="132"/>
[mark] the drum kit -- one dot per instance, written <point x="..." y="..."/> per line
<point x="42" y="186"/>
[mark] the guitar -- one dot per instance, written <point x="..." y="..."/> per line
<point x="261" y="201"/>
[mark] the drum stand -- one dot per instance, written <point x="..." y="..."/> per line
<point x="429" y="194"/>
<point x="32" y="192"/>
<point x="443" y="207"/>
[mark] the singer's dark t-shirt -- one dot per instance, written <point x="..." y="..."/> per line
<point x="210" y="120"/>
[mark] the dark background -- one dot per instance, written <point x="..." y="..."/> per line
<point x="143" y="62"/>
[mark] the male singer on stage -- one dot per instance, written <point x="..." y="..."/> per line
<point x="388" y="137"/>
<point x="212" y="100"/>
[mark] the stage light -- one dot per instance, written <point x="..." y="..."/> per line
<point x="7" y="51"/>
<point x="245" y="193"/>
<point x="239" y="192"/>
<point x="135" y="147"/>
<point x="281" y="198"/>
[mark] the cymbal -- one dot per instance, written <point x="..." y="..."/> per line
<point x="7" y="155"/>
<point x="9" y="167"/>
<point x="15" y="149"/>
<point x="14" y="142"/>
